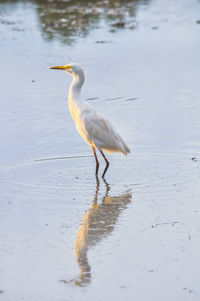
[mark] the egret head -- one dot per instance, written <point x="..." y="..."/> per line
<point x="72" y="69"/>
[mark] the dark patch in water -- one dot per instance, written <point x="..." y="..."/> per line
<point x="194" y="159"/>
<point x="68" y="19"/>
<point x="92" y="98"/>
<point x="114" y="98"/>
<point x="130" y="99"/>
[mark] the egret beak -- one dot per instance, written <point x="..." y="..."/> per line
<point x="61" y="67"/>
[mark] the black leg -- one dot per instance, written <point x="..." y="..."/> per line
<point x="107" y="164"/>
<point x="97" y="162"/>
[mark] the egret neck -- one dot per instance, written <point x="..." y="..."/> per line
<point x="76" y="85"/>
<point x="75" y="100"/>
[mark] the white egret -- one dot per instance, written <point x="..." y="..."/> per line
<point x="93" y="127"/>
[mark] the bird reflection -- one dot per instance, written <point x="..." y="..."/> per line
<point x="98" y="222"/>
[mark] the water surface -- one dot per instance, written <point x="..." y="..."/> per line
<point x="66" y="236"/>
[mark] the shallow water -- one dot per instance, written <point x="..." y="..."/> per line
<point x="64" y="235"/>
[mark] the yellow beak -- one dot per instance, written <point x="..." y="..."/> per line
<point x="61" y="67"/>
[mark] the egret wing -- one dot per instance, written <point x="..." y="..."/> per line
<point x="102" y="133"/>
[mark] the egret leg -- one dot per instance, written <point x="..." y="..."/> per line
<point x="97" y="162"/>
<point x="107" y="163"/>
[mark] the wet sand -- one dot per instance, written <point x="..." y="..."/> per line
<point x="135" y="236"/>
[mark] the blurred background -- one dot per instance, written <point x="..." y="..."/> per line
<point x="135" y="236"/>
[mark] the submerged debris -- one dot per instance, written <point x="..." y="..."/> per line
<point x="160" y="224"/>
<point x="118" y="24"/>
<point x="102" y="42"/>
<point x="123" y="24"/>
